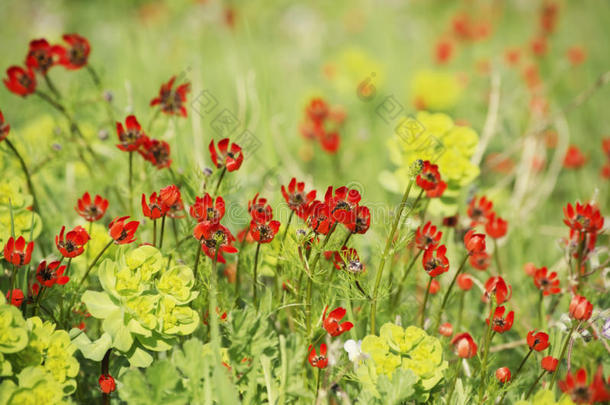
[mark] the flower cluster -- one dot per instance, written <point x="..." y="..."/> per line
<point x="323" y="122"/>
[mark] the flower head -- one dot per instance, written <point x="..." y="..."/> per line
<point x="434" y="260"/>
<point x="580" y="308"/>
<point x="479" y="210"/>
<point x="18" y="252"/>
<point x="480" y="261"/>
<point x="156" y="152"/>
<point x="296" y="197"/>
<point x="76" y="54"/>
<point x="15" y="297"/>
<point x="496" y="287"/>
<point x="318" y="360"/>
<point x="503" y="374"/>
<point x="347" y="259"/>
<point x="331" y="323"/>
<point x="501" y="324"/>
<point x="549" y="363"/>
<point x="445" y="329"/>
<point x="132" y="138"/>
<point x="208" y="209"/>
<point x="73" y="244"/>
<point x="585" y="217"/>
<point x="107" y="384"/>
<point x="429" y="178"/>
<point x="91" y="210"/>
<point x="172" y="100"/>
<point x="50" y="274"/>
<point x="20" y="81"/>
<point x="154" y="208"/>
<point x="169" y="195"/>
<point x="40" y="56"/>
<point x="121" y="231"/>
<point x="474" y="242"/>
<point x="464" y="346"/>
<point x="342" y="203"/>
<point x="495" y="227"/>
<point x="259" y="209"/>
<point x="427" y="236"/>
<point x="537" y="341"/>
<point x="360" y="220"/>
<point x="574" y="158"/>
<point x="319" y="217"/>
<point x="215" y="239"/>
<point x="264" y="232"/>
<point x="464" y="281"/>
<point x="546" y="282"/>
<point x="227" y="156"/>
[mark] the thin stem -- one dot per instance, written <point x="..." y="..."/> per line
<point x="26" y="173"/>
<point x="488" y="337"/>
<point x="237" y="279"/>
<point x="317" y="387"/>
<point x="515" y="376"/>
<point x="458" y="324"/>
<point x="214" y="332"/>
<point x="455" y="377"/>
<point x="254" y="281"/>
<point x="105" y="367"/>
<point x="197" y="256"/>
<point x="51" y="86"/>
<point x="423" y="307"/>
<point x="94" y="76"/>
<point x="68" y="267"/>
<point x="162" y="231"/>
<point x="561" y="356"/>
<point x="497" y="256"/>
<point x="131" y="183"/>
<point x="153" y="119"/>
<point x="222" y="175"/>
<point x="448" y="292"/>
<point x="522" y="364"/>
<point x="405" y="275"/>
<point x="155" y="232"/>
<point x="94" y="262"/>
<point x="529" y="392"/>
<point x="311" y="272"/>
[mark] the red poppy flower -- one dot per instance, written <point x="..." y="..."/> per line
<point x="446" y="329"/>
<point x="549" y="363"/>
<point x="495" y="227"/>
<point x="20" y="81"/>
<point x="512" y="56"/>
<point x="318" y="360"/>
<point x="347" y="259"/>
<point x="319" y="219"/>
<point x="172" y="101"/>
<point x="576" y="387"/>
<point x="548" y="16"/>
<point x="503" y="375"/>
<point x="122" y="232"/>
<point x="429" y="177"/>
<point x="604" y="172"/>
<point x="601" y="389"/>
<point x="91" y="210"/>
<point x="331" y="323"/>
<point x="156" y="152"/>
<point x="427" y="236"/>
<point x="464" y="346"/>
<point x="580" y="308"/>
<point x="606" y="146"/>
<point x="360" y="220"/>
<point x="435" y="287"/>
<point x="474" y="242"/>
<point x="74" y="243"/>
<point x="40" y="57"/>
<point x="330" y="141"/>
<point x="208" y="209"/>
<point x="443" y="50"/>
<point x="107" y="384"/>
<point x="341" y="203"/>
<point x="497" y="287"/>
<point x="311" y="130"/>
<point x="169" y="195"/>
<point x="464" y="281"/>
<point x="76" y="54"/>
<point x="437" y="192"/>
<point x="317" y="110"/>
<point x="259" y="210"/>
<point x="176" y="210"/>
<point x="585" y="217"/>
<point x="539" y="46"/>
<point x="537" y="341"/>
<point x="4" y="128"/>
<point x="434" y="260"/>
<point x="264" y="232"/>
<point x="231" y="158"/>
<point x="17" y="251"/>
<point x="479" y="209"/>
<point x="296" y="197"/>
<point x="547" y="283"/>
<point x="480" y="261"/>
<point x="574" y="158"/>
<point x="15" y="297"/>
<point x="501" y="324"/>
<point x="576" y="55"/>
<point x="214" y="237"/>
<point x="51" y="274"/>
<point x="131" y="139"/>
<point x="154" y="209"/>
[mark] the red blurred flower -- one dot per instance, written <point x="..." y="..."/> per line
<point x="15" y="297"/>
<point x="480" y="261"/>
<point x="156" y="152"/>
<point x="604" y="172"/>
<point x="229" y="157"/>
<point x="214" y="237"/>
<point x="17" y="251"/>
<point x="539" y="46"/>
<point x="446" y="329"/>
<point x="76" y="54"/>
<point x="74" y="243"/>
<point x="443" y="50"/>
<point x="427" y="236"/>
<point x="91" y="210"/>
<point x="549" y="363"/>
<point x="259" y="209"/>
<point x="464" y="346"/>
<point x="51" y="274"/>
<point x="501" y="324"/>
<point x="576" y="387"/>
<point x="574" y="158"/>
<point x="331" y="323"/>
<point x="154" y="209"/>
<point x="122" y="232"/>
<point x="318" y="360"/>
<point x="512" y="56"/>
<point x="450" y="222"/>
<point x="176" y="210"/>
<point x="429" y="178"/>
<point x="576" y="55"/>
<point x="40" y="56"/>
<point x="464" y="281"/>
<point x="360" y="220"/>
<point x="537" y="341"/>
<point x="435" y="286"/>
<point x="585" y="217"/>
<point x="330" y="141"/>
<point x="580" y="308"/>
<point x="479" y="210"/>
<point x="548" y="16"/>
<point x="437" y="191"/>
<point x="107" y="384"/>
<point x="4" y="128"/>
<point x="296" y="197"/>
<point x="495" y="227"/>
<point x="341" y="203"/>
<point x="545" y="282"/>
<point x="503" y="375"/>
<point x="474" y="242"/>
<point x="317" y="110"/>
<point x="434" y="260"/>
<point x="131" y="139"/>
<point x="530" y="269"/>
<point x="208" y="209"/>
<point x="497" y="287"/>
<point x="172" y="101"/>
<point x="20" y="81"/>
<point x="264" y="232"/>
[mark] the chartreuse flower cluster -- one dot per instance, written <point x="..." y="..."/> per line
<point x="37" y="365"/>
<point x="14" y="197"/>
<point x="396" y="350"/>
<point x="143" y="305"/>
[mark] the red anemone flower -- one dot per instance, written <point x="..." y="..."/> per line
<point x="347" y="259"/>
<point x="585" y="217"/>
<point x="434" y="260"/>
<point x="574" y="158"/>
<point x="474" y="242"/>
<point x="4" y="128"/>
<point x="360" y="220"/>
<point x="501" y="324"/>
<point x="427" y="236"/>
<point x="503" y="375"/>
<point x="479" y="209"/>
<point x="580" y="308"/>
<point x="51" y="274"/>
<point x="15" y="297"/>
<point x="330" y="141"/>
<point x="259" y="209"/>
<point x="495" y="227"/>
<point x="176" y="210"/>
<point x="537" y="341"/>
<point x="296" y="197"/>
<point x="156" y="152"/>
<point x="437" y="192"/>
<point x="17" y="251"/>
<point x="547" y="283"/>
<point x="213" y="238"/>
<point x="172" y="101"/>
<point x="264" y="232"/>
<point x="208" y="209"/>
<point x="40" y="56"/>
<point x="154" y="209"/>
<point x="319" y="218"/>
<point x="464" y="281"/>
<point x="497" y="287"/>
<point x="464" y="346"/>
<point x="76" y="54"/>
<point x="20" y="81"/>
<point x="331" y="323"/>
<point x="576" y="387"/>
<point x="122" y="232"/>
<point x="549" y="363"/>
<point x="446" y="329"/>
<point x="107" y="383"/>
<point x="318" y="360"/>
<point x="429" y="177"/>
<point x="229" y="158"/>
<point x="131" y="139"/>
<point x="341" y="203"/>
<point x="91" y="210"/>
<point x="480" y="261"/>
<point x="317" y="110"/>
<point x="169" y="195"/>
<point x="74" y="243"/>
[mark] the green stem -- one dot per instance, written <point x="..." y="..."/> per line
<point x="68" y="267"/>
<point x="406" y="275"/>
<point x="448" y="292"/>
<point x="105" y="367"/>
<point x="162" y="231"/>
<point x="51" y="86"/>
<point x="514" y="377"/>
<point x="460" y="311"/>
<point x="529" y="392"/>
<point x="214" y="331"/>
<point x="94" y="76"/>
<point x="315" y="400"/>
<point x="312" y="269"/>
<point x="497" y="257"/>
<point x="254" y="281"/>
<point x="155" y="232"/>
<point x="455" y="377"/>
<point x="197" y="256"/>
<point x="488" y="338"/>
<point x="94" y="262"/>
<point x="561" y="356"/>
<point x="237" y="279"/>
<point x="222" y="175"/>
<point x="131" y="183"/>
<point x="423" y="308"/>
<point x="26" y="173"/>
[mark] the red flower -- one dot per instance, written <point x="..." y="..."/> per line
<point x="576" y="387"/>
<point x="264" y="232"/>
<point x="443" y="51"/>
<point x="49" y="275"/>
<point x="537" y="341"/>
<point x="259" y="210"/>
<point x="479" y="209"/>
<point x="446" y="329"/>
<point x="450" y="222"/>
<point x="474" y="242"/>
<point x="503" y="375"/>
<point x="123" y="233"/>
<point x="464" y="346"/>
<point x="501" y="324"/>
<point x="330" y="141"/>
<point x="318" y="360"/>
<point x="230" y="158"/>
<point x="495" y="227"/>
<point x="331" y="323"/>
<point x="437" y="191"/>
<point x="464" y="281"/>
<point x="319" y="218"/>
<point x="154" y="209"/>
<point x="317" y="110"/>
<point x="20" y="81"/>
<point x="429" y="177"/>
<point x="547" y="283"/>
<point x="176" y="210"/>
<point x="76" y="55"/>
<point x="434" y="261"/>
<point x="601" y="391"/>
<point x="586" y="218"/>
<point x="214" y="237"/>
<point x="497" y="287"/>
<point x="341" y="203"/>
<point x="169" y="195"/>
<point x="574" y="158"/>
<point x="549" y="363"/>
<point x="208" y="209"/>
<point x="156" y="152"/>
<point x="15" y="297"/>
<point x="17" y="252"/>
<point x="480" y="261"/>
<point x="435" y="286"/>
<point x="580" y="308"/>
<point x="347" y="259"/>
<point x="91" y="211"/>
<point x="296" y="198"/>
<point x="427" y="236"/>
<point x="107" y="384"/>
<point x="360" y="220"/>
<point x="74" y="243"/>
<point x="576" y="55"/>
<point x="4" y="129"/>
<point x="131" y="139"/>
<point x="606" y="147"/>
<point x="172" y="101"/>
<point x="40" y="56"/>
<point x="604" y="172"/>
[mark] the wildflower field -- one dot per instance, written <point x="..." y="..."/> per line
<point x="322" y="202"/>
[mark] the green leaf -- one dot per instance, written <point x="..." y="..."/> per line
<point x="99" y="304"/>
<point x="138" y="357"/>
<point x="114" y="324"/>
<point x="91" y="350"/>
<point x="399" y="389"/>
